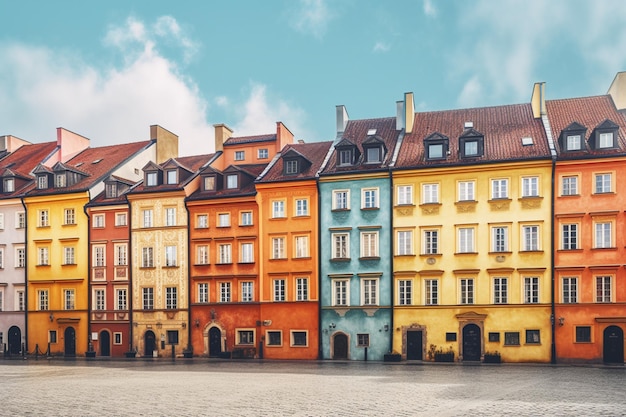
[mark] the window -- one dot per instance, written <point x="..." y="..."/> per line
<point x="532" y="337"/>
<point x="232" y="181"/>
<point x="262" y="154"/>
<point x="302" y="289"/>
<point x="68" y="256"/>
<point x="530" y="186"/>
<point x="20" y="223"/>
<point x="246" y="253"/>
<point x="99" y="299"/>
<point x="151" y="179"/>
<point x="341" y="200"/>
<point x="511" y="338"/>
<point x="1" y="258"/>
<point x="302" y="246"/>
<point x="203" y="292"/>
<point x="170" y="216"/>
<point x="494" y="336"/>
<point x="569" y="185"/>
<point x="370" y="198"/>
<point x="171" y="300"/>
<point x="466" y="240"/>
<point x="298" y="338"/>
<point x="530" y="236"/>
<point x="500" y="239"/>
<point x="405" y="194"/>
<point x="605" y="140"/>
<point x="147" y="218"/>
<point x="42" y="182"/>
<point x="432" y="291"/>
<point x="117" y="338"/>
<point x="603" y="289"/>
<point x="340" y="292"/>
<point x="302" y="207"/>
<point x="121" y="295"/>
<point x="467" y="291"/>
<point x="69" y="299"/>
<point x="223" y="220"/>
<point x="279" y="289"/>
<point x="147" y="258"/>
<point x="52" y="336"/>
<point x="278" y="209"/>
<point x="531" y="290"/>
<point x="291" y="166"/>
<point x="603" y="235"/>
<point x="362" y="339"/>
<point x="278" y="248"/>
<point x="171" y="176"/>
<point x="69" y="216"/>
<point x="341" y="245"/>
<point x="42" y="218"/>
<point x="345" y="157"/>
<point x="500" y="290"/>
<point x="274" y="338"/>
<point x="202" y="221"/>
<point x="499" y="188"/>
<point x="98" y="221"/>
<point x="574" y="143"/>
<point x="111" y="190"/>
<point x="603" y="183"/>
<point x="369" y="244"/>
<point x="247" y="293"/>
<point x="42" y="300"/>
<point x="148" y="298"/>
<point x="246" y="218"/>
<point x="20" y="257"/>
<point x="240" y="155"/>
<point x="373" y="154"/>
<point x="20" y="300"/>
<point x="405" y="242"/>
<point x="121" y="254"/>
<point x="245" y="337"/>
<point x="435" y="150"/>
<point x="570" y="290"/>
<point x="209" y="183"/>
<point x="431" y="242"/>
<point x="369" y="292"/>
<point x="224" y="292"/>
<point x="9" y="185"/>
<point x="583" y="334"/>
<point x="170" y="256"/>
<point x="225" y="253"/>
<point x="121" y="219"/>
<point x="405" y="292"/>
<point x="466" y="190"/>
<point x="569" y="236"/>
<point x="430" y="193"/>
<point x="42" y="256"/>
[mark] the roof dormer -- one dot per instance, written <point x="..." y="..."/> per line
<point x="572" y="138"/>
<point x="152" y="175"/>
<point x="294" y="163"/>
<point x="604" y="136"/>
<point x="66" y="176"/>
<point x="471" y="142"/>
<point x="44" y="176"/>
<point x="436" y="146"/>
<point x="347" y="153"/>
<point x="115" y="187"/>
<point x="374" y="149"/>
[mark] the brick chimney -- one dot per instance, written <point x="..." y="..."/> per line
<point x="166" y="143"/>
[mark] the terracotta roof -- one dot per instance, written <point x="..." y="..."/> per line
<point x="503" y="128"/>
<point x="588" y="112"/>
<point x="356" y="132"/>
<point x="250" y="139"/>
<point x="251" y="171"/>
<point x="23" y="160"/>
<point x="190" y="163"/>
<point x="314" y="152"/>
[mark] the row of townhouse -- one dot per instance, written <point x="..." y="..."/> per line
<point x="472" y="231"/>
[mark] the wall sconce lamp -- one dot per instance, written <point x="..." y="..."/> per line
<point x="197" y="322"/>
<point x="51" y="317"/>
<point x="561" y="321"/>
<point x="332" y="325"/>
<point x="386" y="327"/>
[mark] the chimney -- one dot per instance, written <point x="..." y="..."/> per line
<point x="11" y="143"/>
<point x="166" y="143"/>
<point x="283" y="136"/>
<point x="538" y="100"/>
<point x="342" y="119"/>
<point x="617" y="90"/>
<point x="70" y="144"/>
<point x="222" y="133"/>
<point x="400" y="115"/>
<point x="409" y="112"/>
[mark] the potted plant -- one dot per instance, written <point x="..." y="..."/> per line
<point x="492" y="357"/>
<point x="444" y="356"/>
<point x="188" y="353"/>
<point x="392" y="357"/>
<point x="131" y="353"/>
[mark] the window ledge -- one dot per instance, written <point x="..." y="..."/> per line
<point x="405" y="255"/>
<point x="370" y="208"/>
<point x="170" y="267"/>
<point x="603" y="193"/>
<point x="278" y="259"/>
<point x="430" y="255"/>
<point x="340" y="259"/>
<point x="506" y="252"/>
<point x="147" y="267"/>
<point x="612" y="248"/>
<point x="71" y="224"/>
<point x="569" y="195"/>
<point x="531" y="251"/>
<point x="302" y="216"/>
<point x="369" y="258"/>
<point x="466" y="253"/>
<point x="340" y="210"/>
<point x="577" y="250"/>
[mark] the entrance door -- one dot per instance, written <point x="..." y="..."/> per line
<point x="149" y="343"/>
<point x="15" y="340"/>
<point x="414" y="345"/>
<point x="105" y="343"/>
<point x="340" y="346"/>
<point x="70" y="341"/>
<point x="215" y="342"/>
<point x="613" y="345"/>
<point x="471" y="343"/>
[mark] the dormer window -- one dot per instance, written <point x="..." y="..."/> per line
<point x="60" y="180"/>
<point x="373" y="155"/>
<point x="151" y="179"/>
<point x="232" y="181"/>
<point x="172" y="177"/>
<point x="111" y="190"/>
<point x="574" y="143"/>
<point x="42" y="182"/>
<point x="572" y="138"/>
<point x="291" y="166"/>
<point x="436" y="146"/>
<point x="374" y="148"/>
<point x="9" y="185"/>
<point x="346" y="153"/>
<point x="604" y="136"/>
<point x="605" y="140"/>
<point x="471" y="143"/>
<point x="208" y="183"/>
<point x="346" y="157"/>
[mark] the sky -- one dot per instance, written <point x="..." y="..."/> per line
<point x="109" y="69"/>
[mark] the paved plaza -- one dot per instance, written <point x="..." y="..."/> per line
<point x="261" y="388"/>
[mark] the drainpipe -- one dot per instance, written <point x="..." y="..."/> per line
<point x="129" y="297"/>
<point x="320" y="331"/>
<point x="89" y="266"/>
<point x="189" y="321"/>
<point x="552" y="260"/>
<point x="25" y="275"/>
<point x="391" y="277"/>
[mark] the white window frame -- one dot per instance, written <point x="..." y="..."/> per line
<point x="121" y="299"/>
<point x="202" y="221"/>
<point x="404" y="242"/>
<point x="99" y="297"/>
<point x="120" y="251"/>
<point x="301" y="207"/>
<point x="147" y="217"/>
<point x="500" y="290"/>
<point x="223" y="219"/>
<point x="247" y="291"/>
<point x="202" y="255"/>
<point x="369" y="291"/>
<point x="603" y="183"/>
<point x="340" y="245"/>
<point x="225" y="292"/>
<point x="69" y="299"/>
<point x="20" y="220"/>
<point x="467" y="190"/>
<point x="569" y="185"/>
<point x="69" y="255"/>
<point x="531" y="290"/>
<point x="500" y="238"/>
<point x="203" y="292"/>
<point x="466" y="242"/>
<point x="341" y="200"/>
<point x="121" y="219"/>
<point x="240" y="155"/>
<point x="603" y="234"/>
<point x="430" y="241"/>
<point x="170" y="216"/>
<point x="405" y="292"/>
<point x="431" y="292"/>
<point x="467" y="291"/>
<point x="499" y="188"/>
<point x="530" y="186"/>
<point x="171" y="256"/>
<point x="369" y="244"/>
<point x="302" y="288"/>
<point x="604" y="288"/>
<point x="430" y="193"/>
<point x="99" y="256"/>
<point x="531" y="238"/>
<point x="278" y="247"/>
<point x="341" y="292"/>
<point x="569" y="290"/>
<point x="404" y="195"/>
<point x="370" y="198"/>
<point x="278" y="209"/>
<point x="301" y="246"/>
<point x="225" y="253"/>
<point x="43" y="218"/>
<point x="569" y="236"/>
<point x="246" y="252"/>
<point x="171" y="298"/>
<point x="279" y="289"/>
<point x="246" y="218"/>
<point x="147" y="257"/>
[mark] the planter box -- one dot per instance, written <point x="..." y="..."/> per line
<point x="492" y="359"/>
<point x="444" y="357"/>
<point x="130" y="354"/>
<point x="392" y="357"/>
<point x="90" y="354"/>
<point x="187" y="354"/>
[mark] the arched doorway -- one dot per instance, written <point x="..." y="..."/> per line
<point x="613" y="345"/>
<point x="215" y="341"/>
<point x="149" y="343"/>
<point x="340" y="346"/>
<point x="15" y="340"/>
<point x="70" y="341"/>
<point x="105" y="343"/>
<point x="471" y="342"/>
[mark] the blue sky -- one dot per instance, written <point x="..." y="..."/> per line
<point x="110" y="69"/>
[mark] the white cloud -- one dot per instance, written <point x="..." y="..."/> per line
<point x="311" y="17"/>
<point x="471" y="90"/>
<point x="381" y="47"/>
<point x="429" y="8"/>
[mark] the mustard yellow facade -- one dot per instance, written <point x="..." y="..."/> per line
<point x="57" y="272"/>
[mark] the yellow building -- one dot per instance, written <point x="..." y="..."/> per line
<point x="472" y="226"/>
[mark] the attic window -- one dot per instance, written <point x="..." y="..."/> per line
<point x="605" y="140"/>
<point x="346" y="157"/>
<point x="172" y="178"/>
<point x="78" y="164"/>
<point x="604" y="135"/>
<point x="232" y="181"/>
<point x="371" y="132"/>
<point x="436" y="146"/>
<point x="209" y="183"/>
<point x="527" y="141"/>
<point x="9" y="185"/>
<point x="60" y="180"/>
<point x="291" y="167"/>
<point x="42" y="182"/>
<point x="574" y="143"/>
<point x="151" y="179"/>
<point x="111" y="190"/>
<point x="97" y="161"/>
<point x="373" y="154"/>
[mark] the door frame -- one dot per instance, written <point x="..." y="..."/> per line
<point x="480" y="343"/>
<point x="69" y="350"/>
<point x="620" y="345"/>
<point x="332" y="344"/>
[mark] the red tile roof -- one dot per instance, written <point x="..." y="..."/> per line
<point x="250" y="139"/>
<point x="23" y="160"/>
<point x="315" y="152"/>
<point x="251" y="171"/>
<point x="190" y="163"/>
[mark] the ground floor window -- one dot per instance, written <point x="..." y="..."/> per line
<point x="363" y="339"/>
<point x="511" y="338"/>
<point x="583" y="334"/>
<point x="245" y="337"/>
<point x="52" y="336"/>
<point x="532" y="337"/>
<point x="298" y="338"/>
<point x="172" y="337"/>
<point x="274" y="338"/>
<point x="494" y="337"/>
<point x="117" y="338"/>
